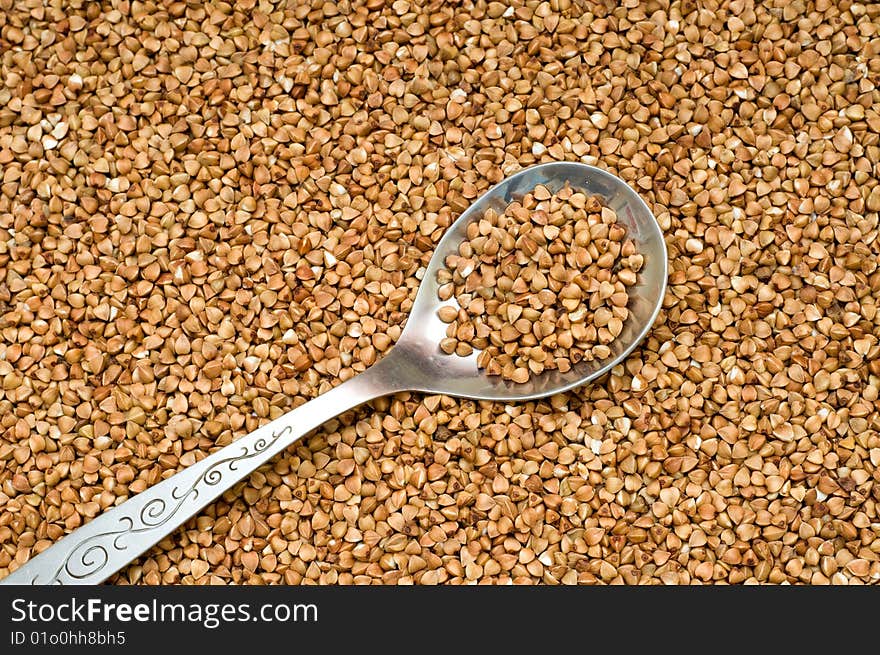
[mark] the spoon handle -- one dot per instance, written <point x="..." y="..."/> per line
<point x="93" y="552"/>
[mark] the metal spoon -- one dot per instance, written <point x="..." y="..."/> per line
<point x="108" y="542"/>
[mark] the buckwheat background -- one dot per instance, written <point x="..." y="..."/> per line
<point x="211" y="213"/>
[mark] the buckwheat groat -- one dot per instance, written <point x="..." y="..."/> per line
<point x="541" y="286"/>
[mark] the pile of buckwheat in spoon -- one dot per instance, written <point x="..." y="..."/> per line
<point x="539" y="287"/>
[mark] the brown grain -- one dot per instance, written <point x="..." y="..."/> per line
<point x="540" y="286"/>
<point x="213" y="212"/>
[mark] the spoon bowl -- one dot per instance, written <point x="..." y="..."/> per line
<point x="417" y="355"/>
<point x="109" y="541"/>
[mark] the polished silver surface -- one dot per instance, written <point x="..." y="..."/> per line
<point x="108" y="542"/>
<point x="459" y="376"/>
